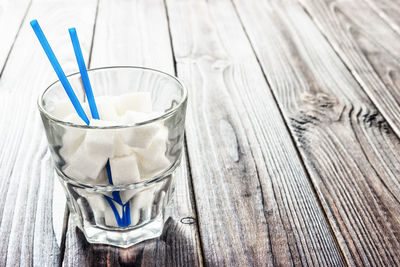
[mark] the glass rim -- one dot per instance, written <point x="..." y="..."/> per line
<point x="164" y="115"/>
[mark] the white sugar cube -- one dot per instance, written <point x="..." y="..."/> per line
<point x="120" y="148"/>
<point x="135" y="117"/>
<point x="100" y="141"/>
<point x="157" y="146"/>
<point x="125" y="170"/>
<point x="141" y="205"/>
<point x="84" y="164"/>
<point x="101" y="208"/>
<point x="102" y="123"/>
<point x="127" y="195"/>
<point x="138" y="101"/>
<point x="102" y="178"/>
<point x="151" y="167"/>
<point x="71" y="140"/>
<point x="74" y="118"/>
<point x="98" y="205"/>
<point x="86" y="109"/>
<point x="135" y="214"/>
<point x="62" y="109"/>
<point x="152" y="160"/>
<point x="109" y="216"/>
<point x="72" y="137"/>
<point x="106" y="108"/>
<point x="131" y="117"/>
<point x="71" y="172"/>
<point x="139" y="136"/>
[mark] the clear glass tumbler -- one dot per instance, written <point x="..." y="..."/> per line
<point x="118" y="214"/>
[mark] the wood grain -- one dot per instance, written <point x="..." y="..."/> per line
<point x="12" y="14"/>
<point x="256" y="204"/>
<point x="388" y="11"/>
<point x="26" y="184"/>
<point x="133" y="33"/>
<point x="368" y="41"/>
<point x="349" y="149"/>
<point x="136" y="33"/>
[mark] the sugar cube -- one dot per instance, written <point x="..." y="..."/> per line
<point x="98" y="205"/>
<point x="71" y="140"/>
<point x="125" y="170"/>
<point x="141" y="206"/>
<point x="109" y="216"/>
<point x="151" y="167"/>
<point x="62" y="109"/>
<point x="138" y="101"/>
<point x="84" y="164"/>
<point x="139" y="136"/>
<point x="100" y="141"/>
<point x="106" y="108"/>
<point x="152" y="160"/>
<point x="102" y="178"/>
<point x="135" y="214"/>
<point x="86" y="109"/>
<point x="127" y="195"/>
<point x="120" y="148"/>
<point x="74" y="118"/>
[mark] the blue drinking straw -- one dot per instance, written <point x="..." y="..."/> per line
<point x="125" y="220"/>
<point x="84" y="74"/>
<point x="57" y="68"/>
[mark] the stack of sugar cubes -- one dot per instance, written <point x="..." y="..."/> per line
<point x="135" y="153"/>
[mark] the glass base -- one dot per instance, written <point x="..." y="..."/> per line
<point x="122" y="237"/>
<point x="100" y="222"/>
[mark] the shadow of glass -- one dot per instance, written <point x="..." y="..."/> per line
<point x="175" y="247"/>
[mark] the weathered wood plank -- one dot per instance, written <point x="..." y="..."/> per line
<point x="368" y="45"/>
<point x="133" y="33"/>
<point x="26" y="175"/>
<point x="257" y="207"/>
<point x="349" y="149"/>
<point x="136" y="33"/>
<point x="388" y="11"/>
<point x="12" y="14"/>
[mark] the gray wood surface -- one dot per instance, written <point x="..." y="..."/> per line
<point x="260" y="208"/>
<point x="136" y="33"/>
<point x="26" y="234"/>
<point x="348" y="147"/>
<point x="293" y="129"/>
<point x="12" y="14"/>
<point x="368" y="42"/>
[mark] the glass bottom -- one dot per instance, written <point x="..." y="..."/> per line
<point x="121" y="218"/>
<point x="122" y="237"/>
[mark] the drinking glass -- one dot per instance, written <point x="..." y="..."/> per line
<point x="118" y="214"/>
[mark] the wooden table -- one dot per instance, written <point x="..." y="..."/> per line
<point x="292" y="133"/>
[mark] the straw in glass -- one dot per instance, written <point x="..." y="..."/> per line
<point x="125" y="220"/>
<point x="57" y="68"/>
